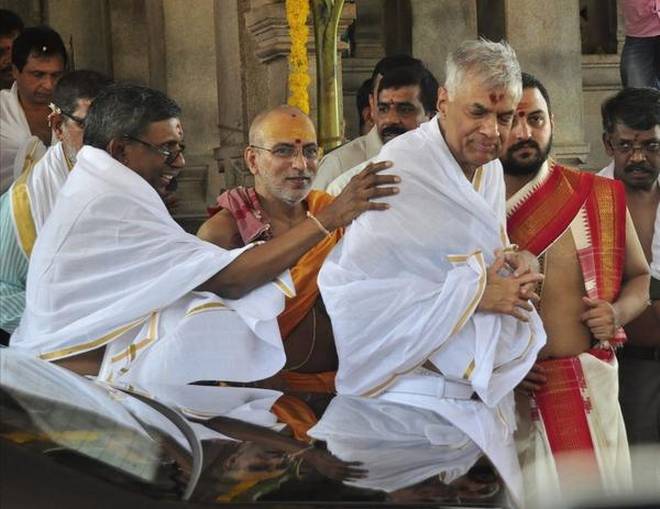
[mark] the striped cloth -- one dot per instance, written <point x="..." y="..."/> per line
<point x="13" y="270"/>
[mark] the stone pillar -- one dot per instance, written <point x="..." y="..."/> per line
<point x="32" y="12"/>
<point x="85" y="29"/>
<point x="369" y="49"/>
<point x="191" y="80"/>
<point x="620" y="28"/>
<point x="253" y="46"/>
<point x="230" y="39"/>
<point x="546" y="37"/>
<point x="439" y="26"/>
<point x="138" y="42"/>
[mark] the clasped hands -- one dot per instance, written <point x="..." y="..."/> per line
<point x="510" y="294"/>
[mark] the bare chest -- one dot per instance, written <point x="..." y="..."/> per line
<point x="561" y="300"/>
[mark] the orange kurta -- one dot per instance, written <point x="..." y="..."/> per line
<point x="306" y="270"/>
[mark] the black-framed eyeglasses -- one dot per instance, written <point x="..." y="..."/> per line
<point x="284" y="151"/>
<point x="169" y="155"/>
<point x="56" y="109"/>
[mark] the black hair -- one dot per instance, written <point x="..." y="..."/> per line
<point x="10" y="23"/>
<point x="391" y="62"/>
<point x="41" y="41"/>
<point x="636" y="108"/>
<point x="125" y="110"/>
<point x="362" y="98"/>
<point x="531" y="81"/>
<point x="405" y="76"/>
<point x="76" y="85"/>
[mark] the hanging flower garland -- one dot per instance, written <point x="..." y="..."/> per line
<point x="296" y="16"/>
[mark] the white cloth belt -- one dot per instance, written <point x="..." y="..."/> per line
<point x="425" y="382"/>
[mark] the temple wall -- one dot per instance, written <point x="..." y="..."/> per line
<point x="226" y="60"/>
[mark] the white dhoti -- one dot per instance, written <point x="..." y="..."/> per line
<point x="112" y="268"/>
<point x="403" y="286"/>
<point x="571" y="438"/>
<point x="14" y="132"/>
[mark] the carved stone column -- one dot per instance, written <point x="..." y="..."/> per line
<point x="230" y="39"/>
<point x="369" y="49"/>
<point x="439" y="26"/>
<point x="138" y="42"/>
<point x="252" y="39"/>
<point x="546" y="37"/>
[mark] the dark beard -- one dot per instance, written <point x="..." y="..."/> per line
<point x="531" y="167"/>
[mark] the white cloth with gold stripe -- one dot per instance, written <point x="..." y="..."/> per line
<point x="112" y="268"/>
<point x="403" y="286"/>
<point x="398" y="444"/>
<point x="26" y="205"/>
<point x="14" y="131"/>
<point x="43" y="178"/>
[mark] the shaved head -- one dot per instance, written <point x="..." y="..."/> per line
<point x="281" y="121"/>
<point x="282" y="154"/>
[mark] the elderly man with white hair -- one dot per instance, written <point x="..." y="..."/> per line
<point x="429" y="303"/>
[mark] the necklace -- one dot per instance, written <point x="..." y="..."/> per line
<point x="311" y="349"/>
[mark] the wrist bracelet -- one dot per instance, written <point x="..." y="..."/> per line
<point x="318" y="223"/>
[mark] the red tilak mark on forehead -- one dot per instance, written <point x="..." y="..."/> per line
<point x="521" y="114"/>
<point x="297" y="140"/>
<point x="293" y="115"/>
<point x="495" y="98"/>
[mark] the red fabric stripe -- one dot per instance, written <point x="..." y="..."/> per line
<point x="550" y="195"/>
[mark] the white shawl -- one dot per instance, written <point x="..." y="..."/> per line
<point x="399" y="445"/>
<point x="403" y="287"/>
<point x="14" y="131"/>
<point x="608" y="172"/>
<point x="405" y="283"/>
<point x="45" y="181"/>
<point x="111" y="267"/>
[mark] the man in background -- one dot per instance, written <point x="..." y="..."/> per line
<point x="631" y="136"/>
<point x="11" y="27"/>
<point x="360" y="149"/>
<point x="406" y="97"/>
<point x="25" y="207"/>
<point x="38" y="62"/>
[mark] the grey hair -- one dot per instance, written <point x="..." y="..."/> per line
<point x="494" y="64"/>
<point x="125" y="110"/>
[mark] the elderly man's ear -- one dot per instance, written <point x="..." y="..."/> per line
<point x="250" y="157"/>
<point x="56" y="123"/>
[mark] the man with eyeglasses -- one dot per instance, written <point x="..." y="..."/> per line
<point x="406" y="97"/>
<point x="596" y="281"/>
<point x="39" y="60"/>
<point x="631" y="136"/>
<point x="27" y="204"/>
<point x="283" y="157"/>
<point x="117" y="289"/>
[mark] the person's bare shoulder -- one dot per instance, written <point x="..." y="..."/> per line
<point x="221" y="230"/>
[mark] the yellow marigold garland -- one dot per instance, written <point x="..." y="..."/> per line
<point x="296" y="16"/>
